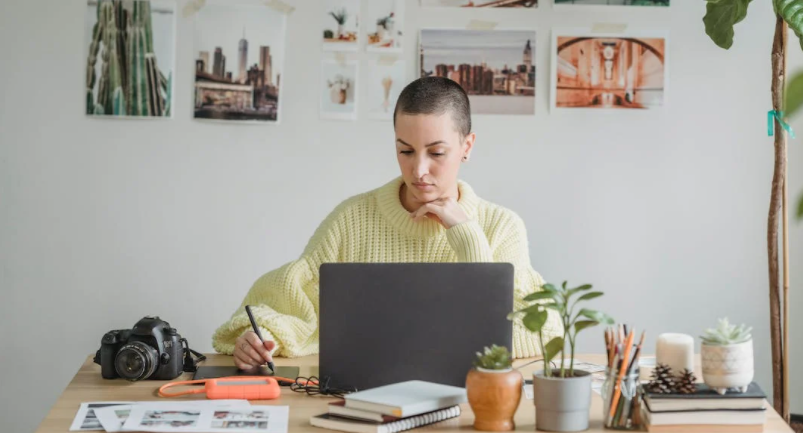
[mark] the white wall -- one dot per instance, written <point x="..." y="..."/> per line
<point x="105" y="221"/>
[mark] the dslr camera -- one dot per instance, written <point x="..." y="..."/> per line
<point x="150" y="350"/>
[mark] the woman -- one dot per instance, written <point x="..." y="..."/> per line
<point x="426" y="215"/>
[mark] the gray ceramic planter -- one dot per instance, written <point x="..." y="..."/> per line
<point x="562" y="404"/>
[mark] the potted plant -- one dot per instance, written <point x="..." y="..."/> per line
<point x="338" y="92"/>
<point x="494" y="389"/>
<point x="562" y="396"/>
<point x="727" y="357"/>
<point x="340" y="16"/>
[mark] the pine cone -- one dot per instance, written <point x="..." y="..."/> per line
<point x="685" y="384"/>
<point x="663" y="382"/>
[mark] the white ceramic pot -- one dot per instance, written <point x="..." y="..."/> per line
<point x="728" y="366"/>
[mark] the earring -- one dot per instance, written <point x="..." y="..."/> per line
<point x="465" y="158"/>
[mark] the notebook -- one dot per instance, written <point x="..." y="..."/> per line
<point x="406" y="399"/>
<point x="721" y="417"/>
<point x="333" y="422"/>
<point x="339" y="408"/>
<point x="706" y="399"/>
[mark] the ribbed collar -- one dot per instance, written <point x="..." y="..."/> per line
<point x="387" y="197"/>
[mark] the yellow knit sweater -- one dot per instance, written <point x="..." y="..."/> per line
<point x="374" y="227"/>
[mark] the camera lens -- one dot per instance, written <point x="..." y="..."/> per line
<point x="136" y="361"/>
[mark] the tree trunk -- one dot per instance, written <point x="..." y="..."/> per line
<point x="778" y="180"/>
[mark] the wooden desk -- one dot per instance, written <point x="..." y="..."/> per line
<point x="88" y="385"/>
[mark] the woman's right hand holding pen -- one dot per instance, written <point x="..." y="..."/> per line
<point x="250" y="351"/>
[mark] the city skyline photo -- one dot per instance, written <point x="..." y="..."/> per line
<point x="239" y="58"/>
<point x="495" y="67"/>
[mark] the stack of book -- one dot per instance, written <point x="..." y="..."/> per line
<point x="705" y="411"/>
<point x="393" y="408"/>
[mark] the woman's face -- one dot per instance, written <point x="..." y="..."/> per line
<point x="430" y="150"/>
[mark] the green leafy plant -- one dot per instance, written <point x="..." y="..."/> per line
<point x="559" y="299"/>
<point x="726" y="333"/>
<point x="494" y="358"/>
<point x="340" y="16"/>
<point x="719" y="20"/>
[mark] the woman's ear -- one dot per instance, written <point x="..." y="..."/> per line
<point x="468" y="145"/>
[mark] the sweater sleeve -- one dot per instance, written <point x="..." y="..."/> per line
<point x="513" y="248"/>
<point x="285" y="301"/>
<point x="469" y="242"/>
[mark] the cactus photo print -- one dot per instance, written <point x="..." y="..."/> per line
<point x="129" y="58"/>
<point x="338" y="89"/>
<point x="239" y="56"/>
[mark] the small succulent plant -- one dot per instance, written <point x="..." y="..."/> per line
<point x="726" y="333"/>
<point x="494" y="358"/>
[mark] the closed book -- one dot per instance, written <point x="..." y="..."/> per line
<point x="332" y="422"/>
<point x="705" y="428"/>
<point x="704" y="398"/>
<point x="339" y="408"/>
<point x="406" y="399"/>
<point x="705" y="417"/>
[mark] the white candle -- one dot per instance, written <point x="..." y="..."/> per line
<point x="676" y="351"/>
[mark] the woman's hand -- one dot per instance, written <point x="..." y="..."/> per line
<point x="250" y="352"/>
<point x="446" y="211"/>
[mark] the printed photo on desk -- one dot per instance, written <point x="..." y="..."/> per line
<point x="341" y="25"/>
<point x="384" y="25"/>
<point x="625" y="71"/>
<point x="480" y="3"/>
<point x="495" y="67"/>
<point x="385" y="78"/>
<point x="338" y="89"/>
<point x="130" y="52"/>
<point x="239" y="58"/>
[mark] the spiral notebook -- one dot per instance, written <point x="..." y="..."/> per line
<point x="332" y="422"/>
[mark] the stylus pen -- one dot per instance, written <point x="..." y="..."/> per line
<point x="256" y="330"/>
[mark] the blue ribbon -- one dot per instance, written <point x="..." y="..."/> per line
<point x="777" y="115"/>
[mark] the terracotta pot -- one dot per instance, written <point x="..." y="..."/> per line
<point x="494" y="396"/>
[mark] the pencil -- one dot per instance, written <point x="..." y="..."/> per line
<point x="634" y="362"/>
<point x="256" y="331"/>
<point x="625" y="356"/>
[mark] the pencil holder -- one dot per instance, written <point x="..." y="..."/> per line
<point x="621" y="400"/>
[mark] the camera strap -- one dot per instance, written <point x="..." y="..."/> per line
<point x="190" y="363"/>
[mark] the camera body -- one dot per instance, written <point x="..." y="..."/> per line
<point x="150" y="350"/>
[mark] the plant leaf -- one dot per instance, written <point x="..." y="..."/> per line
<point x="721" y="16"/>
<point x="590" y="295"/>
<point x="584" y="287"/>
<point x="541" y="295"/>
<point x="535" y="321"/>
<point x="800" y="208"/>
<point x="793" y="95"/>
<point x="790" y="11"/>
<point x="549" y="287"/>
<point x="552" y="348"/>
<point x="583" y="324"/>
<point x="596" y="316"/>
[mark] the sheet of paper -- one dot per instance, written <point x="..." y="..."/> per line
<point x="112" y="418"/>
<point x="188" y="418"/>
<point x="85" y="419"/>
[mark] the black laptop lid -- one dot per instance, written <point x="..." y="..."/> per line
<point x="382" y="323"/>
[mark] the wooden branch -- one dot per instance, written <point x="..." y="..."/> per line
<point x="778" y="79"/>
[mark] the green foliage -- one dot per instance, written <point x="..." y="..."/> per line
<point x="559" y="299"/>
<point x="726" y="333"/>
<point x="340" y="16"/>
<point x="721" y="16"/>
<point x="494" y="358"/>
<point x="790" y="10"/>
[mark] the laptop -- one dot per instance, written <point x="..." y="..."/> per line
<point x="382" y="323"/>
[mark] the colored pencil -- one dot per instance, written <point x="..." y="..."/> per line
<point x="625" y="356"/>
